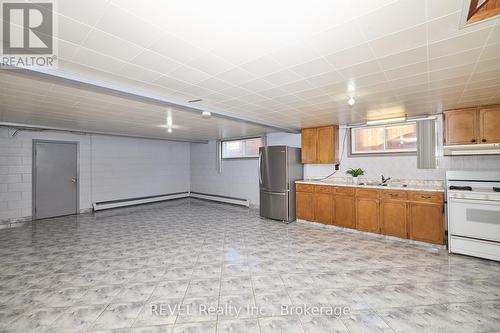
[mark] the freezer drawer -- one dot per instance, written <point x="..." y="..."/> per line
<point x="274" y="205"/>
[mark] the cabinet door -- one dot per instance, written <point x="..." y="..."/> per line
<point x="309" y="143"/>
<point x="393" y="218"/>
<point x="305" y="206"/>
<point x="426" y="222"/>
<point x="326" y="144"/>
<point x="344" y="212"/>
<point x="367" y="215"/>
<point x="489" y="124"/>
<point x="460" y="127"/>
<point x="323" y="211"/>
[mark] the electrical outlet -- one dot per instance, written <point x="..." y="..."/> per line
<point x="337" y="166"/>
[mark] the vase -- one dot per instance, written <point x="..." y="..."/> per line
<point x="355" y="180"/>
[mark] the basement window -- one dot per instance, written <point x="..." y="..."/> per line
<point x="386" y="139"/>
<point x="244" y="148"/>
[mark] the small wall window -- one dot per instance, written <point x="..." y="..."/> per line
<point x="387" y="139"/>
<point x="245" y="148"/>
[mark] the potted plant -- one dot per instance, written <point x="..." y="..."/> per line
<point x="355" y="173"/>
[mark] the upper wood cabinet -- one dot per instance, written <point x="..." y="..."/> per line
<point x="471" y="126"/>
<point x="460" y="127"/>
<point x="489" y="124"/>
<point x="320" y="145"/>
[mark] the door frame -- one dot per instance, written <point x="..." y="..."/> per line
<point x="33" y="173"/>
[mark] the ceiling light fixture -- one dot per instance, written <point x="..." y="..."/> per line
<point x="385" y="121"/>
<point x="351" y="101"/>
<point x="206" y="114"/>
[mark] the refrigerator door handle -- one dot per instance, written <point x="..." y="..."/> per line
<point x="260" y="168"/>
<point x="276" y="193"/>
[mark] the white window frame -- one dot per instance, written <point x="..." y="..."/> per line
<point x="385" y="151"/>
<point x="242" y="139"/>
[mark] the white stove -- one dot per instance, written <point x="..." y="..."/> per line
<point x="473" y="201"/>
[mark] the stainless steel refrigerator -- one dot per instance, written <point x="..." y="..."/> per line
<point x="279" y="168"/>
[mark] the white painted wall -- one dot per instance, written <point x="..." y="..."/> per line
<point x="239" y="178"/>
<point x="110" y="168"/>
<point x="125" y="168"/>
<point x="402" y="167"/>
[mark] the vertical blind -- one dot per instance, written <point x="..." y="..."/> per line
<point x="426" y="144"/>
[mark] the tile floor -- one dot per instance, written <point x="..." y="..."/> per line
<point x="156" y="268"/>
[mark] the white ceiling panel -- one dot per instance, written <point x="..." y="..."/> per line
<point x="263" y="60"/>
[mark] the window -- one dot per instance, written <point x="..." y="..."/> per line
<point x="400" y="138"/>
<point x="245" y="148"/>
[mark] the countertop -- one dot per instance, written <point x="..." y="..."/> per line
<point x="394" y="186"/>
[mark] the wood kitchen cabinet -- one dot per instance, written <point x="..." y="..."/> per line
<point x="489" y="124"/>
<point x="471" y="126"/>
<point x="324" y="207"/>
<point x="344" y="214"/>
<point x="320" y="145"/>
<point x="393" y="214"/>
<point x="367" y="210"/>
<point x="425" y="217"/>
<point x="460" y="127"/>
<point x="305" y="206"/>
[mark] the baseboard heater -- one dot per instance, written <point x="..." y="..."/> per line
<point x="221" y="198"/>
<point x="138" y="201"/>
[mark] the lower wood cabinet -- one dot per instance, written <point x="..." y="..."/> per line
<point x="305" y="206"/>
<point x="426" y="222"/>
<point x="344" y="214"/>
<point x="393" y="218"/>
<point x="324" y="207"/>
<point x="405" y="214"/>
<point x="367" y="215"/>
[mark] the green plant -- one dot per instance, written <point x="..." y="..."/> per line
<point x="355" y="172"/>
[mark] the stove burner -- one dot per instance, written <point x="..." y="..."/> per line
<point x="461" y="188"/>
<point x="496" y="189"/>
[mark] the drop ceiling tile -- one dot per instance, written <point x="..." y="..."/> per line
<point x="440" y="8"/>
<point x="122" y="24"/>
<point x="409" y="81"/>
<point x="235" y="92"/>
<point x="490" y="51"/>
<point x="338" y="38"/>
<point x="155" y="62"/>
<point x="468" y="41"/>
<point x="71" y="30"/>
<point x="449" y="82"/>
<point x="400" y="41"/>
<point x="312" y="68"/>
<point x="189" y="74"/>
<point x="449" y="27"/>
<point x="362" y="69"/>
<point x="297" y="86"/>
<point x="453" y="60"/>
<point x="262" y="66"/>
<point x="404" y="58"/>
<point x="171" y="83"/>
<point x="488" y="65"/>
<point x="272" y="93"/>
<point x="88" y="11"/>
<point x="410" y="70"/>
<point x="482" y="76"/>
<point x="98" y="61"/>
<point x="325" y="79"/>
<point x="451" y="72"/>
<point x="257" y="85"/>
<point x="282" y="77"/>
<point x="197" y="91"/>
<point x="348" y="57"/>
<point x="112" y="46"/>
<point x="66" y="50"/>
<point x="210" y="64"/>
<point x="295" y="55"/>
<point x="392" y="18"/>
<point x="236" y="76"/>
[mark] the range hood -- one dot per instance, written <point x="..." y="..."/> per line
<point x="474" y="149"/>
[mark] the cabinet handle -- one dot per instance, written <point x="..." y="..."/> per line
<point x="473" y="140"/>
<point x="425" y="196"/>
<point x="484" y="140"/>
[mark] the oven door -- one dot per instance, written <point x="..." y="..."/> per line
<point x="478" y="219"/>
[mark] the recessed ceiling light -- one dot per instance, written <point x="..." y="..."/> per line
<point x="206" y="114"/>
<point x="169" y="130"/>
<point x="351" y="101"/>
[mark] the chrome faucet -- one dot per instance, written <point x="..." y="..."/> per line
<point x="385" y="180"/>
